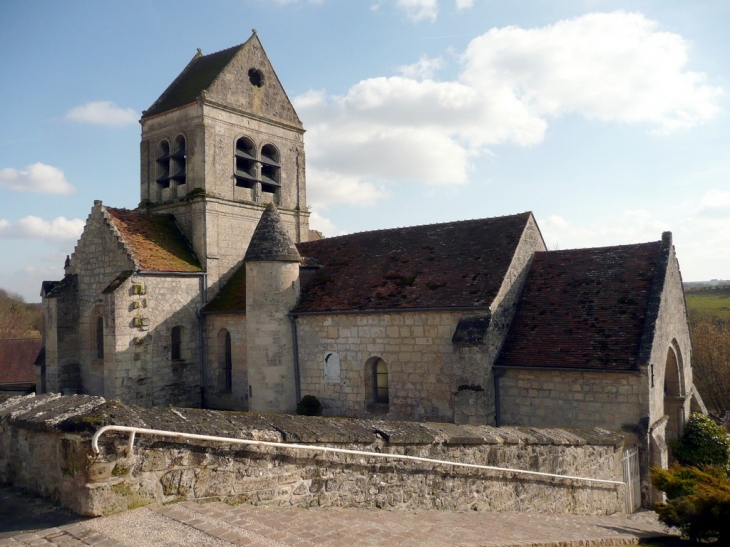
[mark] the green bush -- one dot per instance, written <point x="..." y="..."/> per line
<point x="698" y="501"/>
<point x="703" y="443"/>
<point x="309" y="406"/>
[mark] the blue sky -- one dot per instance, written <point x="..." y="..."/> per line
<point x="607" y="119"/>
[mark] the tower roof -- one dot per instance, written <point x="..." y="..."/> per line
<point x="240" y="77"/>
<point x="270" y="241"/>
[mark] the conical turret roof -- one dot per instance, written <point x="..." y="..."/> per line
<point x="270" y="241"/>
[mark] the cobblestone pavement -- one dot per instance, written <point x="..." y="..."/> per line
<point x="220" y="525"/>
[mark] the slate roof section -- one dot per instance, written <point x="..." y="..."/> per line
<point x="584" y="308"/>
<point x="155" y="240"/>
<point x="196" y="77"/>
<point x="270" y="241"/>
<point x="17" y="356"/>
<point x="232" y="296"/>
<point x="450" y="265"/>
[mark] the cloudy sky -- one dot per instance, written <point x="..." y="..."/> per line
<point x="609" y="119"/>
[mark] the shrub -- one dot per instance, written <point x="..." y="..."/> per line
<point x="703" y="443"/>
<point x="309" y="406"/>
<point x="698" y="501"/>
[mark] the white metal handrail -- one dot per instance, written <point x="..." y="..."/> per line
<point x="134" y="430"/>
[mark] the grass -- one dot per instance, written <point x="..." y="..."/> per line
<point x="709" y="301"/>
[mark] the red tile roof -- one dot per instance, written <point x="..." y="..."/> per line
<point x="584" y="308"/>
<point x="16" y="359"/>
<point x="155" y="241"/>
<point x="455" y="264"/>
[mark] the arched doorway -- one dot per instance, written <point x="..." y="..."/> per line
<point x="673" y="395"/>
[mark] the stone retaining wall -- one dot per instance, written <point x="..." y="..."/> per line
<point x="45" y="447"/>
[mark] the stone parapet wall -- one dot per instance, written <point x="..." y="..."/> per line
<point x="45" y="447"/>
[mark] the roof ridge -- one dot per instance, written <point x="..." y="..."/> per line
<point x="380" y="230"/>
<point x="577" y="249"/>
<point x="165" y="93"/>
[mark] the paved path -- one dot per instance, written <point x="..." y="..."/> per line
<point x="220" y="525"/>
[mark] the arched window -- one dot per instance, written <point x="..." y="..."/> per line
<point x="376" y="385"/>
<point x="99" y="337"/>
<point x="270" y="169"/>
<point x="225" y="360"/>
<point x="176" y="343"/>
<point x="245" y="168"/>
<point x="178" y="161"/>
<point x="380" y="381"/>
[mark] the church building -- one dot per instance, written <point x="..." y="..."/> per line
<point x="214" y="293"/>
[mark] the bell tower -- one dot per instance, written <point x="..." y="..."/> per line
<point x="221" y="143"/>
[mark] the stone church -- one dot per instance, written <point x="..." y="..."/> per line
<point x="215" y="293"/>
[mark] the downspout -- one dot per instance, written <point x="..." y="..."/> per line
<point x="203" y="284"/>
<point x="295" y="343"/>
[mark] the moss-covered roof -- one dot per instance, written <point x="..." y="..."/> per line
<point x="155" y="241"/>
<point x="232" y="297"/>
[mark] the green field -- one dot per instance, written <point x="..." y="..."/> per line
<point x="709" y="300"/>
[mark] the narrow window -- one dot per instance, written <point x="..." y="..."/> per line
<point x="100" y="337"/>
<point x="178" y="161"/>
<point x="176" y="343"/>
<point x="380" y="370"/>
<point x="163" y="164"/>
<point x="228" y="364"/>
<point x="245" y="169"/>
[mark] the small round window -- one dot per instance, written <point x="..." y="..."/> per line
<point x="256" y="77"/>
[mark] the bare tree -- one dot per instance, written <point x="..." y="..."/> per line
<point x="711" y="361"/>
<point x="17" y="318"/>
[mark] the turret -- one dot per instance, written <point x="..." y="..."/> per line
<point x="272" y="290"/>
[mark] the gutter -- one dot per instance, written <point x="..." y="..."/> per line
<point x="392" y="310"/>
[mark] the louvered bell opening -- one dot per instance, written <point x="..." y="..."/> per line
<point x="246" y="154"/>
<point x="269" y="155"/>
<point x="180" y="175"/>
<point x="180" y="154"/>
<point x="164" y="180"/>
<point x="270" y="175"/>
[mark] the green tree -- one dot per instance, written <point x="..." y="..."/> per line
<point x="703" y="443"/>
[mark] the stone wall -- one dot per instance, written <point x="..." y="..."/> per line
<point x="139" y="368"/>
<point x="416" y="347"/>
<point x="216" y="396"/>
<point x="573" y="399"/>
<point x="44" y="447"/>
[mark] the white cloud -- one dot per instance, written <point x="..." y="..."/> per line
<point x="608" y="66"/>
<point x="32" y="227"/>
<point x="38" y="177"/>
<point x="323" y="225"/>
<point x="701" y="234"/>
<point x="464" y="4"/>
<point x="102" y="113"/>
<point x="418" y="10"/>
<point x="423" y="69"/>
<point x="615" y="67"/>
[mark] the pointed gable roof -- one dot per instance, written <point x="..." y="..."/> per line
<point x="223" y="78"/>
<point x="585" y="308"/>
<point x="451" y="265"/>
<point x="154" y="241"/>
<point x="270" y="241"/>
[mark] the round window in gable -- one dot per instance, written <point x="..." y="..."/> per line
<point x="256" y="77"/>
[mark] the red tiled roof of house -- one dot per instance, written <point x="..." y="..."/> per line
<point x="17" y="356"/>
<point x="583" y="308"/>
<point x="155" y="241"/>
<point x="451" y="265"/>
